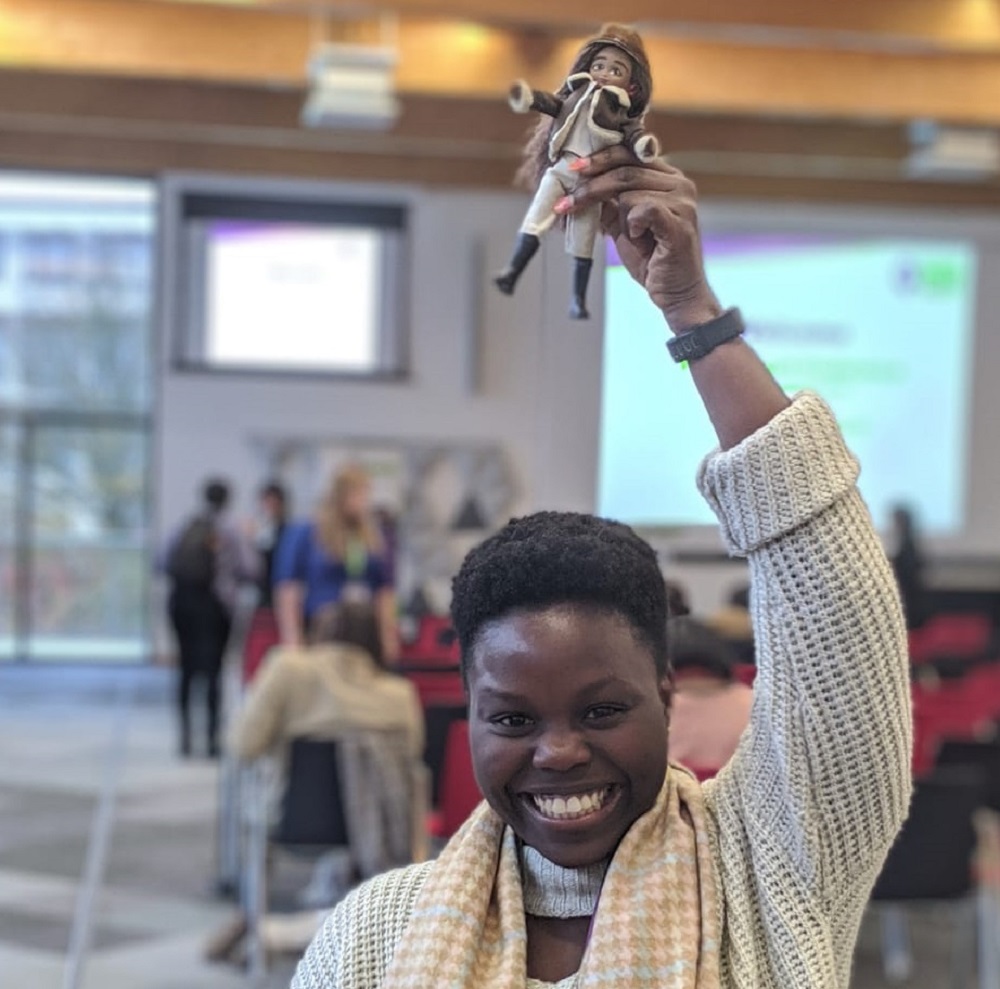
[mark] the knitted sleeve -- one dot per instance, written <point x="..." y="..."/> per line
<point x="820" y="783"/>
<point x="353" y="948"/>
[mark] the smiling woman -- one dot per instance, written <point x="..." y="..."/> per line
<point x="568" y="728"/>
<point x="593" y="862"/>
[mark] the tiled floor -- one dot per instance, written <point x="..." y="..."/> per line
<point x="155" y="906"/>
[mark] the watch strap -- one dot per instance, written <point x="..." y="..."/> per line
<point x="701" y="340"/>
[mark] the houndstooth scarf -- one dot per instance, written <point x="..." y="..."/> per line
<point x="657" y="920"/>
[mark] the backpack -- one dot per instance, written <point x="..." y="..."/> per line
<point x="192" y="559"/>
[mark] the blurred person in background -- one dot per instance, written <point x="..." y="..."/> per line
<point x="335" y="684"/>
<point x="266" y="531"/>
<point x="711" y="708"/>
<point x="205" y="561"/>
<point x="678" y="602"/>
<point x="907" y="559"/>
<point x="337" y="688"/>
<point x="732" y="622"/>
<point x="338" y="555"/>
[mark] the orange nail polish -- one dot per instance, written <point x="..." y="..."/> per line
<point x="579" y="165"/>
<point x="563" y="206"/>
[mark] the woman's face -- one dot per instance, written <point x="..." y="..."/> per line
<point x="354" y="501"/>
<point x="272" y="507"/>
<point x="568" y="727"/>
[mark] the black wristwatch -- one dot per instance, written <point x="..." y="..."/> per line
<point x="702" y="340"/>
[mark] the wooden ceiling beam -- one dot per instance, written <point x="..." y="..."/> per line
<point x="94" y="123"/>
<point x="463" y="60"/>
<point x="958" y="25"/>
<point x="143" y="158"/>
<point x="238" y="113"/>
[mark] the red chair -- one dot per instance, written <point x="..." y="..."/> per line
<point x="459" y="791"/>
<point x="262" y="636"/>
<point x="982" y="684"/>
<point x="437" y="688"/>
<point x="431" y="663"/>
<point x="434" y="645"/>
<point x="959" y="709"/>
<point x="951" y="635"/>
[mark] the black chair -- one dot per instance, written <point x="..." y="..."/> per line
<point x="438" y="720"/>
<point x="312" y="813"/>
<point x="931" y="865"/>
<point x="984" y="756"/>
<point x="311" y="823"/>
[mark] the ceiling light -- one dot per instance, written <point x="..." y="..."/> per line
<point x="351" y="87"/>
<point x="952" y="153"/>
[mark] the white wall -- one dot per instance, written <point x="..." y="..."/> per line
<point x="483" y="366"/>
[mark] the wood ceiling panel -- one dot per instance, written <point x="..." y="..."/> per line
<point x="145" y="85"/>
<point x="60" y="121"/>
<point x="467" y="61"/>
<point x="225" y="113"/>
<point x="941" y="24"/>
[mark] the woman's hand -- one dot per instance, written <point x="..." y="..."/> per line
<point x="650" y="210"/>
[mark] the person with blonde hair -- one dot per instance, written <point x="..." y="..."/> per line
<point x="338" y="555"/>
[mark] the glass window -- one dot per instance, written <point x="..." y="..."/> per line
<point x="75" y="293"/>
<point x="9" y="457"/>
<point x="88" y="554"/>
<point x="76" y="266"/>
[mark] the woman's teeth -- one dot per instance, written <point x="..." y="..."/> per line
<point x="568" y="808"/>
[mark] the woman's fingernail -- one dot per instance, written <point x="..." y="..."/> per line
<point x="564" y="205"/>
<point x="579" y="165"/>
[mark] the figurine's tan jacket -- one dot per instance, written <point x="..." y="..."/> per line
<point x="607" y="120"/>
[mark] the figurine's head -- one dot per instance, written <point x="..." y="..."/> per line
<point x="597" y="58"/>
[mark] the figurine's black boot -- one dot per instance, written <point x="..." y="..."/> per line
<point x="524" y="251"/>
<point x="581" y="276"/>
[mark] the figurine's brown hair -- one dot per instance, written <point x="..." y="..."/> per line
<point x="535" y="158"/>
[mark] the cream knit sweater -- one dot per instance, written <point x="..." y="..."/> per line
<point x="808" y="806"/>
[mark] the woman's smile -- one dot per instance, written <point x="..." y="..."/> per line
<point x="578" y="806"/>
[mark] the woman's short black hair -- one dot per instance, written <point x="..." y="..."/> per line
<point x="553" y="558"/>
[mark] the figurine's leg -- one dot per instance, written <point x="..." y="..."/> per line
<point x="536" y="221"/>
<point x="581" y="234"/>
<point x="524" y="250"/>
<point x="581" y="277"/>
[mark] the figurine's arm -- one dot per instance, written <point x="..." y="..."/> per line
<point x="522" y="98"/>
<point x="644" y="145"/>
